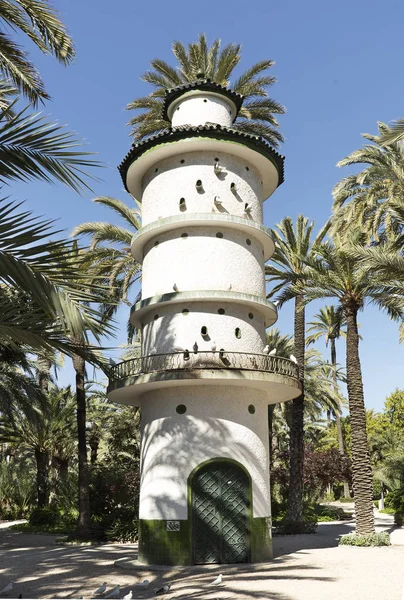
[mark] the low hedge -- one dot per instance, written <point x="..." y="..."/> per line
<point x="370" y="539"/>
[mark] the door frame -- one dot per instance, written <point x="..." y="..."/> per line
<point x="191" y="476"/>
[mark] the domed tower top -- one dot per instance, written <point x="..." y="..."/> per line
<point x="200" y="102"/>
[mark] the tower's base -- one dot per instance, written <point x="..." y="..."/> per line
<point x="160" y="546"/>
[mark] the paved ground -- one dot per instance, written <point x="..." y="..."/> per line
<point x="307" y="567"/>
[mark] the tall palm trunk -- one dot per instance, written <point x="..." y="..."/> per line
<point x="84" y="520"/>
<point x="341" y="446"/>
<point x="42" y="477"/>
<point x="296" y="444"/>
<point x="361" y="468"/>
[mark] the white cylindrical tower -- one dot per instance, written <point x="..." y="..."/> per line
<point x="204" y="381"/>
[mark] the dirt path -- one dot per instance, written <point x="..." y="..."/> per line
<point x="308" y="567"/>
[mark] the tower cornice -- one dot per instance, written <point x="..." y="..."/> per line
<point x="209" y="131"/>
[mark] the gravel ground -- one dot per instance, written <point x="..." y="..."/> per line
<point x="307" y="567"/>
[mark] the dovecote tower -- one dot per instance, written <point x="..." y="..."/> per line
<point x="205" y="376"/>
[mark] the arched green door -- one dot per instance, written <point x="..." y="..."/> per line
<point x="220" y="514"/>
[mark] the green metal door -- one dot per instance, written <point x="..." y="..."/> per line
<point x="220" y="514"/>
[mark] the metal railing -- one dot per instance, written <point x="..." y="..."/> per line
<point x="188" y="360"/>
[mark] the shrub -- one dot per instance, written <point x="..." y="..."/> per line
<point x="395" y="501"/>
<point x="124" y="531"/>
<point x="370" y="539"/>
<point x="295" y="528"/>
<point x="47" y="515"/>
<point x="331" y="513"/>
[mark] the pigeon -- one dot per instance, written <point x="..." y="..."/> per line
<point x="8" y="588"/>
<point x="219" y="579"/>
<point x="128" y="596"/>
<point x="247" y="207"/>
<point x="293" y="358"/>
<point x="217" y="200"/>
<point x="142" y="585"/>
<point x="101" y="590"/>
<point x="213" y="346"/>
<point x="218" y="169"/>
<point x="273" y="352"/>
<point x="164" y="589"/>
<point x="115" y="593"/>
<point x="275" y="302"/>
<point x="195" y="348"/>
<point x="175" y="287"/>
<point x="266" y="349"/>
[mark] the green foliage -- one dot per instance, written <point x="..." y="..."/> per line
<point x="40" y="22"/>
<point x="371" y="539"/>
<point x="256" y="116"/>
<point x="386" y="511"/>
<point x="17" y="489"/>
<point x="123" y="531"/>
<point x="331" y="513"/>
<point x="394" y="410"/>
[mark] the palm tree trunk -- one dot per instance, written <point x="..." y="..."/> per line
<point x="296" y="443"/>
<point x="42" y="477"/>
<point x="84" y="520"/>
<point x="361" y="468"/>
<point x="341" y="446"/>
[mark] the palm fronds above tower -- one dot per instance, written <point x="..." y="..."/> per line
<point x="257" y="114"/>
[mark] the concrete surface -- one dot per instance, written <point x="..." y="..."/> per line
<point x="306" y="567"/>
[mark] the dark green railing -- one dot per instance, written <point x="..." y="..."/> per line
<point x="187" y="360"/>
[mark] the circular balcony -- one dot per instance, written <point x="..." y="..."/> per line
<point x="276" y="375"/>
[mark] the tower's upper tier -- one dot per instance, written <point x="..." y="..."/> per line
<point x="200" y="102"/>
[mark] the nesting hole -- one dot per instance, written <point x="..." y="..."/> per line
<point x="156" y="244"/>
<point x="184" y="235"/>
<point x="251" y="409"/>
<point x="248" y="242"/>
<point x="204" y="331"/>
<point x="182" y="161"/>
<point x="250" y="315"/>
<point x="219" y="234"/>
<point x="221" y="311"/>
<point x="237" y="332"/>
<point x="247" y="168"/>
<point x="155" y="317"/>
<point x="185" y="312"/>
<point x="204" y="100"/>
<point x="181" y="409"/>
<point x="155" y="170"/>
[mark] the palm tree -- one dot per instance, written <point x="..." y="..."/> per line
<point x="367" y="197"/>
<point x="337" y="273"/>
<point x="395" y="133"/>
<point x="109" y="252"/>
<point x="42" y="298"/>
<point x="292" y="247"/>
<point x="40" y="22"/>
<point x="256" y="116"/>
<point x="31" y="148"/>
<point x="329" y="324"/>
<point x="36" y="426"/>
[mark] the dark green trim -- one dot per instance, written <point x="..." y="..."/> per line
<point x="261" y="539"/>
<point x="217" y="132"/>
<point x="157" y="546"/>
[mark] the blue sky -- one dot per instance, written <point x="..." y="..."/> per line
<point x="339" y="71"/>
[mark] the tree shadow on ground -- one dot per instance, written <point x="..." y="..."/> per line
<point x="327" y="536"/>
<point x="40" y="568"/>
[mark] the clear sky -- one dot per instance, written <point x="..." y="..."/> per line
<point x="339" y="68"/>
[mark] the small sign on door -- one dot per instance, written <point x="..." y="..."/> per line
<point x="173" y="525"/>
